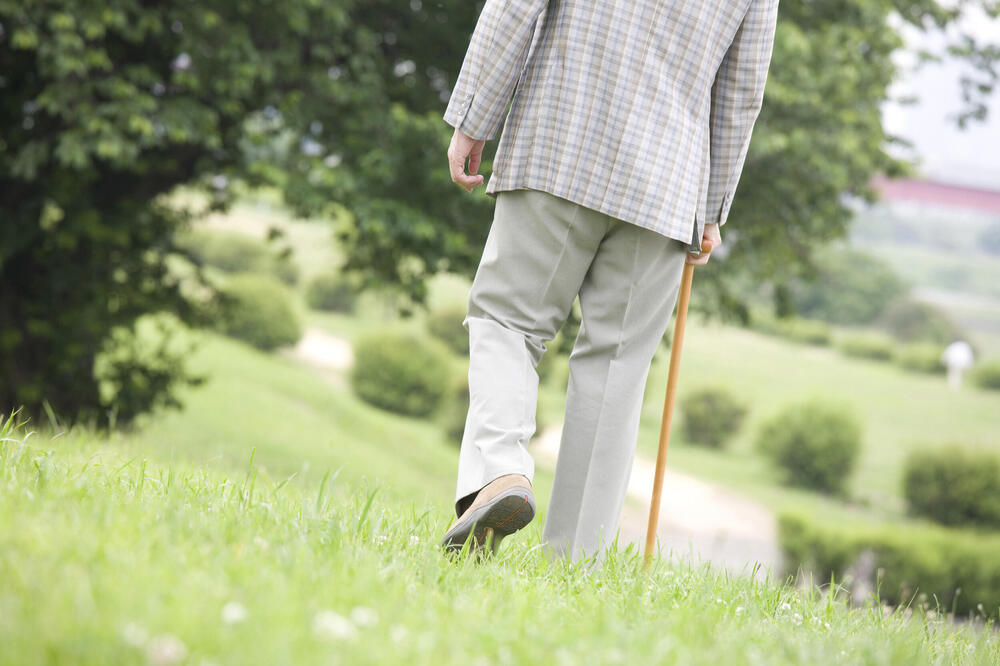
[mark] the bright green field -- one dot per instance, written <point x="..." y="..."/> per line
<point x="900" y="411"/>
<point x="167" y="546"/>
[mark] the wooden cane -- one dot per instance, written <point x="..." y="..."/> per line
<point x="683" y="297"/>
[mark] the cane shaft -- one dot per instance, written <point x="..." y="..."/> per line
<point x="668" y="408"/>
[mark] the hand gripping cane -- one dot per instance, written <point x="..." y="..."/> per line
<point x="683" y="297"/>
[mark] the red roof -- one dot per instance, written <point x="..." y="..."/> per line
<point x="938" y="194"/>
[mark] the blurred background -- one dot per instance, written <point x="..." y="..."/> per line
<point x="229" y="227"/>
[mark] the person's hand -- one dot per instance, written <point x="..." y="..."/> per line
<point x="462" y="147"/>
<point x="711" y="237"/>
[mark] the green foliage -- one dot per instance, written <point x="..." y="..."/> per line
<point x="401" y="372"/>
<point x="954" y="486"/>
<point x="796" y="329"/>
<point x="911" y="321"/>
<point x="455" y="409"/>
<point x="141" y="369"/>
<point x="874" y="346"/>
<point x="986" y="374"/>
<point x="947" y="569"/>
<point x="847" y="287"/>
<point x="105" y="108"/>
<point x="257" y="309"/>
<point x="711" y="416"/>
<point x="815" y="444"/>
<point x="920" y="357"/>
<point x="237" y="253"/>
<point x="446" y="325"/>
<point x="331" y="292"/>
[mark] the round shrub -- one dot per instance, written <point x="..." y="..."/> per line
<point x="987" y="374"/>
<point x="807" y="331"/>
<point x="920" y="357"/>
<point x="911" y="321"/>
<point x="815" y="444"/>
<point x="401" y="372"/>
<point x="238" y="253"/>
<point x="446" y="325"/>
<point x="711" y="416"/>
<point x="332" y="293"/>
<point x="455" y="409"/>
<point x="874" y="346"/>
<point x="954" y="486"/>
<point x="257" y="309"/>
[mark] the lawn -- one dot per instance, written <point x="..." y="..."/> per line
<point x="111" y="557"/>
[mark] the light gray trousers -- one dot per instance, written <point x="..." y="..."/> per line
<point x="542" y="251"/>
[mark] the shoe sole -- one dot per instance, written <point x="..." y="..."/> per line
<point x="503" y="515"/>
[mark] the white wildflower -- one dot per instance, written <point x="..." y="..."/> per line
<point x="740" y="610"/>
<point x="380" y="539"/>
<point x="234" y="612"/>
<point x="328" y="624"/>
<point x="398" y="633"/>
<point x="135" y="634"/>
<point x="786" y="606"/>
<point x="363" y="616"/>
<point x="165" y="649"/>
<point x="414" y="539"/>
<point x="796" y="619"/>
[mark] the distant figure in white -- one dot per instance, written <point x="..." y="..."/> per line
<point x="957" y="357"/>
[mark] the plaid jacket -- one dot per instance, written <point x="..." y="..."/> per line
<point x="641" y="109"/>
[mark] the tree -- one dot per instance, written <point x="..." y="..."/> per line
<point x="106" y="107"/>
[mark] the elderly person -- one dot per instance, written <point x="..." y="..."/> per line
<point x="627" y="130"/>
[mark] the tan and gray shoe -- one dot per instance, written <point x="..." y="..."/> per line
<point x="501" y="508"/>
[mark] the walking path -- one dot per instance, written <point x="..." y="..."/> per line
<point x="698" y="520"/>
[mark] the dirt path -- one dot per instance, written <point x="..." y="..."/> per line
<point x="698" y="520"/>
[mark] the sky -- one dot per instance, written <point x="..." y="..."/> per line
<point x="946" y="153"/>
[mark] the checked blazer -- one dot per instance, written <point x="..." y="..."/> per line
<point x="640" y="109"/>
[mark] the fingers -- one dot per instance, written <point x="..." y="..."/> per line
<point x="456" y="164"/>
<point x="463" y="147"/>
<point x="710" y="240"/>
<point x="475" y="158"/>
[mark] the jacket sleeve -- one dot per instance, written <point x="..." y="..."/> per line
<point x="497" y="52"/>
<point x="737" y="95"/>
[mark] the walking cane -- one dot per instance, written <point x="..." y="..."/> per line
<point x="668" y="404"/>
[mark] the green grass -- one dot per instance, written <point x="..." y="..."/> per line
<point x="111" y="558"/>
<point x="901" y="412"/>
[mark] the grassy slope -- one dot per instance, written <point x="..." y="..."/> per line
<point x="107" y="559"/>
<point x="900" y="411"/>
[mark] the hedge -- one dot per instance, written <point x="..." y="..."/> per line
<point x="955" y="569"/>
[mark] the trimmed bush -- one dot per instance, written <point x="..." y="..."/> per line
<point x="806" y="331"/>
<point x="401" y="372"/>
<point x="455" y="409"/>
<point x="238" y="253"/>
<point x="874" y="346"/>
<point x="330" y="292"/>
<point x="446" y="325"/>
<point x="920" y="357"/>
<point x="953" y="568"/>
<point x="986" y="374"/>
<point x="911" y="321"/>
<point x="954" y="486"/>
<point x="815" y="444"/>
<point x="257" y="309"/>
<point x="711" y="416"/>
<point x="796" y="329"/>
